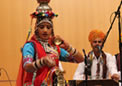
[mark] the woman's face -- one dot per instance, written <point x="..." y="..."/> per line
<point x="96" y="43"/>
<point x="44" y="30"/>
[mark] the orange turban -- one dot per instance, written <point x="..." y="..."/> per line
<point x="96" y="34"/>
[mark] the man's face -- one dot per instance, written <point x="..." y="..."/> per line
<point x="44" y="30"/>
<point x="95" y="43"/>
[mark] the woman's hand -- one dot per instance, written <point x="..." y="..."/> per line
<point x="48" y="61"/>
<point x="61" y="42"/>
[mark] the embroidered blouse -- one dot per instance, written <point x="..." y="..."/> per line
<point x="28" y="54"/>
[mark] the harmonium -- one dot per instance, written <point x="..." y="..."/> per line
<point x="106" y="82"/>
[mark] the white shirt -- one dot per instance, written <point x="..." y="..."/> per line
<point x="111" y="65"/>
<point x="60" y="66"/>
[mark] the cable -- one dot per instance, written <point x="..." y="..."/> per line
<point x="121" y="22"/>
<point x="111" y="17"/>
<point x="6" y="75"/>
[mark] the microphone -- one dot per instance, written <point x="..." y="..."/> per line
<point x="85" y="57"/>
<point x="99" y="48"/>
<point x="86" y="70"/>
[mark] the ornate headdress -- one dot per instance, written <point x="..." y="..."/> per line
<point x="42" y="14"/>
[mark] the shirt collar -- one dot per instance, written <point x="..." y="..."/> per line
<point x="94" y="57"/>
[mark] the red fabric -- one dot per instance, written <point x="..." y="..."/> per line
<point x="19" y="81"/>
<point x="58" y="49"/>
<point x="24" y="76"/>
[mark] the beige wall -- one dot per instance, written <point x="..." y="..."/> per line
<point x="76" y="18"/>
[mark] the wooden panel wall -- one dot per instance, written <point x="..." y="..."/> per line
<point x="76" y="19"/>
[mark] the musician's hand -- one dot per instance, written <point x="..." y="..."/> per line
<point x="115" y="77"/>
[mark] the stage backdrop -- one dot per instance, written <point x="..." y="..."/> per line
<point x="76" y="19"/>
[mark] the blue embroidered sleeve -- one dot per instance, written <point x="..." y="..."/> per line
<point x="63" y="55"/>
<point x="28" y="53"/>
<point x="28" y="49"/>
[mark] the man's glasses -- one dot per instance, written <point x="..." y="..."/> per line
<point x="97" y="41"/>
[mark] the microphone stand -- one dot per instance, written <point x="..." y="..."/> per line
<point x="86" y="70"/>
<point x="119" y="28"/>
<point x="120" y="44"/>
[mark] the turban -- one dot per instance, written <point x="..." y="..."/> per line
<point x="96" y="34"/>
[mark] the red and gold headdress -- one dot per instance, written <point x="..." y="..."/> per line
<point x="43" y="10"/>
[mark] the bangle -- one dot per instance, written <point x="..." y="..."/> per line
<point x="69" y="48"/>
<point x="72" y="51"/>
<point x="75" y="53"/>
<point x="41" y="62"/>
<point x="35" y="65"/>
